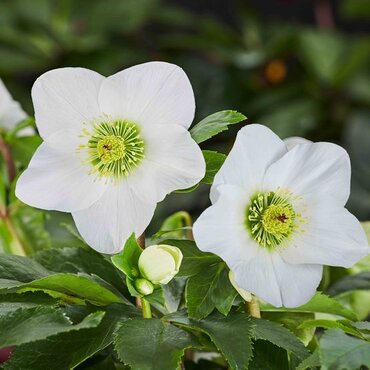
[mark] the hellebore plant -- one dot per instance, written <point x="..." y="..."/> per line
<point x="240" y="286"/>
<point x="278" y="216"/>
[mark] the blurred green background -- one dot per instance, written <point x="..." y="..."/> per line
<point x="300" y="67"/>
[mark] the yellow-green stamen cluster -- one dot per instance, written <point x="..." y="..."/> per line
<point x="115" y="148"/>
<point x="270" y="218"/>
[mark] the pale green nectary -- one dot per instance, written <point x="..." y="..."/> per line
<point x="278" y="215"/>
<point x="113" y="148"/>
<point x="160" y="263"/>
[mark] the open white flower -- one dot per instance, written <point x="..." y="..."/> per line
<point x="278" y="216"/>
<point x="113" y="148"/>
<point x="11" y="111"/>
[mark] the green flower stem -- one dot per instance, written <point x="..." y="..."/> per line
<point x="188" y="222"/>
<point x="253" y="308"/>
<point x="16" y="245"/>
<point x="8" y="159"/>
<point x="147" y="311"/>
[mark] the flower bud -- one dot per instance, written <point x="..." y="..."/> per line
<point x="160" y="263"/>
<point x="247" y="296"/>
<point x="144" y="286"/>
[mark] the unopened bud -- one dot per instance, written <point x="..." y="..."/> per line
<point x="144" y="286"/>
<point x="160" y="263"/>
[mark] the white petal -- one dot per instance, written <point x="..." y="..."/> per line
<point x="10" y="110"/>
<point x="173" y="161"/>
<point x="312" y="170"/>
<point x="255" y="148"/>
<point x="56" y="179"/>
<point x="148" y="93"/>
<point x="277" y="282"/>
<point x="65" y="98"/>
<point x="220" y="228"/>
<point x="333" y="237"/>
<point x="107" y="224"/>
<point x="292" y="141"/>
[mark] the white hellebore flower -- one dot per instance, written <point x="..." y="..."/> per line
<point x="11" y="111"/>
<point x="160" y="263"/>
<point x="113" y="148"/>
<point x="278" y="216"/>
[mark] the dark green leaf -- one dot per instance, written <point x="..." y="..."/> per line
<point x="275" y="356"/>
<point x="127" y="260"/>
<point x="343" y="325"/>
<point x="231" y="335"/>
<point x="31" y="324"/>
<point x="200" y="293"/>
<point x="65" y="351"/>
<point x="77" y="260"/>
<point x="280" y="336"/>
<point x="69" y="287"/>
<point x="225" y="293"/>
<point x="214" y="161"/>
<point x="359" y="281"/>
<point x="214" y="124"/>
<point x="319" y="303"/>
<point x="12" y="302"/>
<point x="340" y="351"/>
<point x="22" y="269"/>
<point x="151" y="344"/>
<point x="311" y="362"/>
<point x="194" y="260"/>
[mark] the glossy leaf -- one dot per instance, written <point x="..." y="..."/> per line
<point x="214" y="124"/>
<point x="151" y="344"/>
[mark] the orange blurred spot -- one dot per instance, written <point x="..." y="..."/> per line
<point x="275" y="71"/>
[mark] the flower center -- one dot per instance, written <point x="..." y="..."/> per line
<point x="115" y="148"/>
<point x="111" y="148"/>
<point x="270" y="218"/>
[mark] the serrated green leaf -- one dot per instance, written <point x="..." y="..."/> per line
<point x="12" y="302"/>
<point x="214" y="124"/>
<point x="292" y="321"/>
<point x="151" y="344"/>
<point x="67" y="350"/>
<point x="231" y="335"/>
<point x="319" y="303"/>
<point x="68" y="286"/>
<point x="22" y="269"/>
<point x="78" y="260"/>
<point x="276" y="355"/>
<point x="311" y="362"/>
<point x="343" y="325"/>
<point x="214" y="161"/>
<point x="225" y="293"/>
<point x="31" y="324"/>
<point x="359" y="281"/>
<point x="340" y="351"/>
<point x="280" y="336"/>
<point x="127" y="260"/>
<point x="210" y="288"/>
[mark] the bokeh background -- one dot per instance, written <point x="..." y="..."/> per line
<point x="299" y="67"/>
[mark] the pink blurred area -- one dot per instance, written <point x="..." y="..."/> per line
<point x="5" y="354"/>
